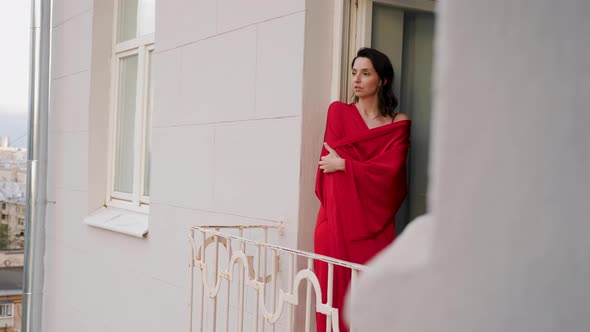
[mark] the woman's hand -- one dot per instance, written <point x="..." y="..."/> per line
<point x="332" y="161"/>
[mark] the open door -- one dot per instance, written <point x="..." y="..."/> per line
<point x="406" y="36"/>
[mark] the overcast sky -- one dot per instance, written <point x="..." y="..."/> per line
<point x="14" y="54"/>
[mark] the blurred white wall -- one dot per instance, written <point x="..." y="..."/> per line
<point x="505" y="247"/>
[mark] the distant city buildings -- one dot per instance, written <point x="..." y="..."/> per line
<point x="13" y="174"/>
<point x="11" y="285"/>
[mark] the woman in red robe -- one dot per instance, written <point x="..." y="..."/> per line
<point x="361" y="180"/>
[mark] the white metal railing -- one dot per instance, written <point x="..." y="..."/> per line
<point x="224" y="300"/>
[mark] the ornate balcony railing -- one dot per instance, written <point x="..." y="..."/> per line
<point x="237" y="286"/>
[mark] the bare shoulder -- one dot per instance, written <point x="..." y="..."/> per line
<point x="401" y="117"/>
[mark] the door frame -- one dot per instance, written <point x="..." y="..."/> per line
<point x="353" y="20"/>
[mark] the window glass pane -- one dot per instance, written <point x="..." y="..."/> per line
<point x="148" y="126"/>
<point x="127" y="25"/>
<point x="147" y="17"/>
<point x="125" y="126"/>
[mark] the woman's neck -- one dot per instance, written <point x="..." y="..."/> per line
<point x="369" y="106"/>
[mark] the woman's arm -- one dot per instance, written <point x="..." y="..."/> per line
<point x="333" y="133"/>
<point x="332" y="162"/>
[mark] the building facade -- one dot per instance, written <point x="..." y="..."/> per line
<point x="11" y="285"/>
<point x="10" y="310"/>
<point x="166" y="114"/>
<point x="13" y="168"/>
<point x="211" y="112"/>
<point x="12" y="215"/>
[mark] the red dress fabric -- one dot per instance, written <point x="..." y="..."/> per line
<point x="358" y="206"/>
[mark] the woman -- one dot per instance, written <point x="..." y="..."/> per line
<point x="361" y="179"/>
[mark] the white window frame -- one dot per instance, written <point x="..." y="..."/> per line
<point x="6" y="310"/>
<point x="140" y="46"/>
<point x="352" y="30"/>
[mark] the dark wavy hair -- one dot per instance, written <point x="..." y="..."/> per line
<point x="387" y="100"/>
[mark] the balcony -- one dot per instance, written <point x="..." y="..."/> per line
<point x="240" y="281"/>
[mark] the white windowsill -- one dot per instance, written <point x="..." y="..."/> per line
<point x="119" y="220"/>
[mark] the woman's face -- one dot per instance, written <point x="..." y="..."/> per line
<point x="365" y="81"/>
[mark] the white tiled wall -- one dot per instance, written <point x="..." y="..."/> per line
<point x="167" y="69"/>
<point x="72" y="45"/>
<point x="65" y="10"/>
<point x="218" y="78"/>
<point x="280" y="66"/>
<point x="196" y="20"/>
<point x="234" y="14"/>
<point x="225" y="150"/>
<point x="69" y="160"/>
<point x="69" y="110"/>
<point x="257" y="167"/>
<point x="185" y="153"/>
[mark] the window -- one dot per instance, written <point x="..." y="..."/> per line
<point x="3" y="206"/>
<point x="21" y="221"/>
<point x="133" y="45"/>
<point x="3" y="217"/>
<point x="6" y="310"/>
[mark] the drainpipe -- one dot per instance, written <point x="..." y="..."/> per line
<point x="36" y="199"/>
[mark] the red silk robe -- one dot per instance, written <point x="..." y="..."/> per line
<point x="358" y="206"/>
